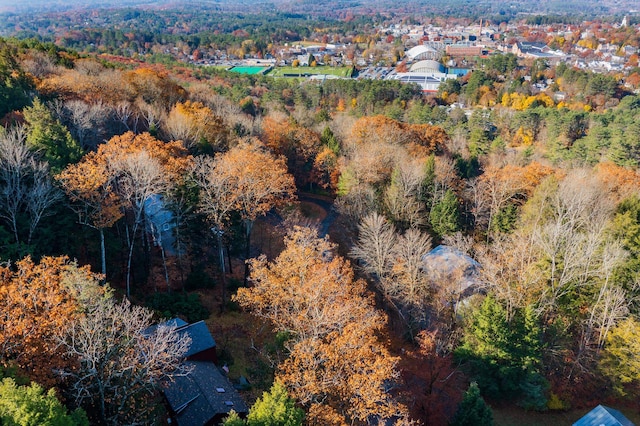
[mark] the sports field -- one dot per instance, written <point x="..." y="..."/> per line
<point x="307" y="71"/>
<point x="248" y="70"/>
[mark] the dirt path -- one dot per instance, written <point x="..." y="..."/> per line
<point x="326" y="204"/>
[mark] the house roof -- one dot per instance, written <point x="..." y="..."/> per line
<point x="201" y="338"/>
<point x="200" y="396"/>
<point x="446" y="262"/>
<point x="528" y="45"/>
<point x="603" y="416"/>
<point x="173" y="322"/>
<point x="449" y="259"/>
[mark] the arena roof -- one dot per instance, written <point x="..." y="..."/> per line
<point x="427" y="66"/>
<point x="420" y="51"/>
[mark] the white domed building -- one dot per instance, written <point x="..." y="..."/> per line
<point x="427" y="73"/>
<point x="427" y="66"/>
<point x="422" y="52"/>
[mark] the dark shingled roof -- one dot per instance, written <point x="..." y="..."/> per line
<point x="202" y="395"/>
<point x="173" y="322"/>
<point x="201" y="339"/>
<point x="603" y="416"/>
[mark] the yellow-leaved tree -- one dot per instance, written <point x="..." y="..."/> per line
<point x="621" y="356"/>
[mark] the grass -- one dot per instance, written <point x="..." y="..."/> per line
<point x="218" y="67"/>
<point x="301" y="71"/>
<point x="306" y="43"/>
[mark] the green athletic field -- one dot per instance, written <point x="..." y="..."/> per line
<point x="306" y="71"/>
<point x="248" y="70"/>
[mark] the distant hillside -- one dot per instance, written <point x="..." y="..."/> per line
<point x="456" y="7"/>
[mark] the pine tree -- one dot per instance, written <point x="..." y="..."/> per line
<point x="49" y="136"/>
<point x="445" y="216"/>
<point x="473" y="411"/>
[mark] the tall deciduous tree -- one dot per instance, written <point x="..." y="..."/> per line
<point x="196" y="125"/>
<point x="140" y="167"/>
<point x="433" y="384"/>
<point x="217" y="200"/>
<point x="89" y="186"/>
<point x="260" y="183"/>
<point x="336" y="362"/>
<point x="121" y="363"/>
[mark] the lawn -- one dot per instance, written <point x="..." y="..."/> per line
<point x="306" y="71"/>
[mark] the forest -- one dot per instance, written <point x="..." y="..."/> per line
<point x="362" y="252"/>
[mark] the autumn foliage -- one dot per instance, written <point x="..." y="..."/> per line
<point x="336" y="358"/>
<point x="37" y="301"/>
<point x="381" y="129"/>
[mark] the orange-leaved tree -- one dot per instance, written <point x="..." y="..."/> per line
<point x="196" y="125"/>
<point x="337" y="362"/>
<point x="37" y="300"/>
<point x="259" y="180"/>
<point x="89" y="186"/>
<point x="139" y="168"/>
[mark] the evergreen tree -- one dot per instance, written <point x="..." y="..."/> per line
<point x="505" y="356"/>
<point x="330" y="141"/>
<point x="473" y="411"/>
<point x="505" y="220"/>
<point x="47" y="135"/>
<point x="445" y="215"/>
<point x="14" y="84"/>
<point x="427" y="186"/>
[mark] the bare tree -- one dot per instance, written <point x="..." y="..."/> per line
<point x="376" y="241"/>
<point x="87" y="121"/>
<point x="571" y="238"/>
<point x="409" y="284"/>
<point x="359" y="202"/>
<point x="41" y="196"/>
<point x="39" y="64"/>
<point x="401" y="198"/>
<point x="125" y="114"/>
<point x="25" y="184"/>
<point x="15" y="163"/>
<point x="121" y="363"/>
<point x="153" y="115"/>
